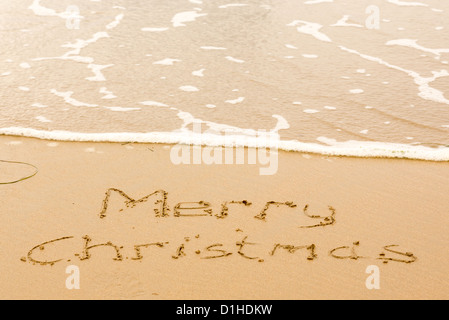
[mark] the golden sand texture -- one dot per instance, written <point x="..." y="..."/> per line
<point x="139" y="227"/>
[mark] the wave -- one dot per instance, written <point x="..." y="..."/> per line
<point x="330" y="147"/>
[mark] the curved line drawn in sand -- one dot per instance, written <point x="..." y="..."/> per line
<point x="86" y="253"/>
<point x="293" y="249"/>
<point x="209" y="249"/>
<point x="263" y="214"/>
<point x="328" y="221"/>
<point x="42" y="247"/>
<point x="241" y="245"/>
<point x="225" y="207"/>
<point x="138" y="251"/>
<point x="201" y="205"/>
<point x="204" y="209"/>
<point x="353" y="255"/>
<point x="24" y="178"/>
<point x="382" y="256"/>
<point x="410" y="255"/>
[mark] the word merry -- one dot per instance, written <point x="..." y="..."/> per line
<point x="203" y="208"/>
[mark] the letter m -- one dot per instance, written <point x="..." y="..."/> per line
<point x="160" y="195"/>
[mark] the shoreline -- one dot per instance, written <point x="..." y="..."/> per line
<point x="350" y="149"/>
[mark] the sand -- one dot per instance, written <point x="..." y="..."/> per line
<point x="263" y="246"/>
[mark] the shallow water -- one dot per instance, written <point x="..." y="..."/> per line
<point x="313" y="73"/>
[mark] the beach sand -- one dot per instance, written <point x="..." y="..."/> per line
<point x="370" y="204"/>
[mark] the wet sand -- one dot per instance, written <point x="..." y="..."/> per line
<point x="250" y="236"/>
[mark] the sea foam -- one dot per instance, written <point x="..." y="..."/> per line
<point x="327" y="146"/>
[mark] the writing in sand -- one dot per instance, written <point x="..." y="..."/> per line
<point x="187" y="243"/>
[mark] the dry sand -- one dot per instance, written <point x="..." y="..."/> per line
<point x="377" y="203"/>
